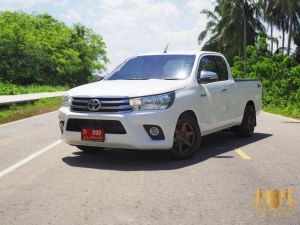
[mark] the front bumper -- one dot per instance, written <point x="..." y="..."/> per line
<point x="136" y="136"/>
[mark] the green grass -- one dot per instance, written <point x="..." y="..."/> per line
<point x="13" y="89"/>
<point x="293" y="112"/>
<point x="21" y="111"/>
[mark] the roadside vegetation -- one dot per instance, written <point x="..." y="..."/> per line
<point x="21" y="111"/>
<point x="13" y="89"/>
<point x="236" y="28"/>
<point x="280" y="76"/>
<point x="38" y="49"/>
<point x="41" y="54"/>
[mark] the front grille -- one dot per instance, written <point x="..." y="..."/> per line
<point x="109" y="126"/>
<point x="107" y="105"/>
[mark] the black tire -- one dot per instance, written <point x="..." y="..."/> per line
<point x="187" y="137"/>
<point x="246" y="129"/>
<point x="88" y="148"/>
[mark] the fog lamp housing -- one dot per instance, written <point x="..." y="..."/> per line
<point x="155" y="132"/>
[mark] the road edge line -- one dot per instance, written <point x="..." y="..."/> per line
<point x="283" y="117"/>
<point x="29" y="158"/>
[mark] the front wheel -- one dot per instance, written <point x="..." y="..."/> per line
<point x="187" y="137"/>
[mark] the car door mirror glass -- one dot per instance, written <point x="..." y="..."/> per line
<point x="207" y="77"/>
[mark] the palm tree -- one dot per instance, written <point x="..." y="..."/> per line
<point x="296" y="39"/>
<point x="231" y="32"/>
<point x="269" y="15"/>
<point x="278" y="8"/>
<point x="214" y="43"/>
<point x="284" y="14"/>
<point x="294" y="23"/>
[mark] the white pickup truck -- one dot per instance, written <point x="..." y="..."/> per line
<point x="160" y="101"/>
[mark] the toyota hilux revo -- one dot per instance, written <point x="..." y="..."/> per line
<point x="163" y="101"/>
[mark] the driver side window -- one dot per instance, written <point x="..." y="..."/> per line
<point x="207" y="70"/>
<point x="207" y="63"/>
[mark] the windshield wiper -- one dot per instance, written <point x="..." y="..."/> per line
<point x="137" y="78"/>
<point x="173" y="79"/>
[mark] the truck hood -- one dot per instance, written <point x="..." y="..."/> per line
<point x="126" y="88"/>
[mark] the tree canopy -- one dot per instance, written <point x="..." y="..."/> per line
<point x="39" y="49"/>
<point x="235" y="24"/>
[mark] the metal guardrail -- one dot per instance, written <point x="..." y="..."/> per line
<point x="11" y="99"/>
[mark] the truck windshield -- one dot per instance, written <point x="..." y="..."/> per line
<point x="167" y="67"/>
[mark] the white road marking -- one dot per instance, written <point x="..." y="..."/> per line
<point x="23" y="161"/>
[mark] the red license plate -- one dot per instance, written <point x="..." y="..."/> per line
<point x="92" y="134"/>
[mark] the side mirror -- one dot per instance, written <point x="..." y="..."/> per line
<point x="207" y="77"/>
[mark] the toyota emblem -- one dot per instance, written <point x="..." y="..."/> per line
<point x="94" y="105"/>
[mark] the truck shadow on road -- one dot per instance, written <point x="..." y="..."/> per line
<point x="212" y="146"/>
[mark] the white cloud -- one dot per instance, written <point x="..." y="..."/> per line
<point x="72" y="16"/>
<point x="129" y="27"/>
<point x="25" y="4"/>
<point x="195" y="6"/>
<point x="136" y="26"/>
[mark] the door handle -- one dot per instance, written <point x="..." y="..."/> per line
<point x="203" y="95"/>
<point x="224" y="89"/>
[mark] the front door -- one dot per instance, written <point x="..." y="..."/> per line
<point x="211" y="97"/>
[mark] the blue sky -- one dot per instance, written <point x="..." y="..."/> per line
<point x="128" y="27"/>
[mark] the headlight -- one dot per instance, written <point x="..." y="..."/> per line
<point x="66" y="102"/>
<point x="154" y="102"/>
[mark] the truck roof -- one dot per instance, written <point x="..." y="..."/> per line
<point x="180" y="53"/>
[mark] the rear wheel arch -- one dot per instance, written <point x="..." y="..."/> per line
<point x="251" y="103"/>
<point x="246" y="128"/>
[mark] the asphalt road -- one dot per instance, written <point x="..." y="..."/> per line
<point x="43" y="181"/>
